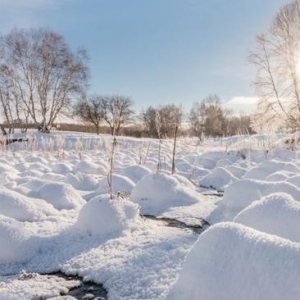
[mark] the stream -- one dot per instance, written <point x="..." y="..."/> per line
<point x="87" y="290"/>
<point x="198" y="229"/>
<point x="93" y="291"/>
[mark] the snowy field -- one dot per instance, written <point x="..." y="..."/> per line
<point x="56" y="215"/>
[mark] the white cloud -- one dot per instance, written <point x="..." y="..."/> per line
<point x="242" y="104"/>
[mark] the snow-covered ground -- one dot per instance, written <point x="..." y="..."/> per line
<point x="56" y="215"/>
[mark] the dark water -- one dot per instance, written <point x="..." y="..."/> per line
<point x="91" y="290"/>
<point x="87" y="290"/>
<point x="199" y="228"/>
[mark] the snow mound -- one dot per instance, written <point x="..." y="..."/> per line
<point x="135" y="173"/>
<point x="7" y="177"/>
<point x="23" y="208"/>
<point x="229" y="256"/>
<point x="218" y="179"/>
<point x="12" y="238"/>
<point x="223" y="162"/>
<point x="60" y="195"/>
<point x="207" y="163"/>
<point x="36" y="159"/>
<point x="53" y="177"/>
<point x="266" y="168"/>
<point x="39" y="167"/>
<point x="183" y="166"/>
<point x="103" y="216"/>
<point x="32" y="183"/>
<point x="277" y="214"/>
<point x="198" y="173"/>
<point x="236" y="171"/>
<point x="61" y="168"/>
<point x="156" y="193"/>
<point x="82" y="182"/>
<point x="184" y="181"/>
<point x="120" y="184"/>
<point x="242" y="193"/>
<point x="295" y="180"/>
<point x="7" y="168"/>
<point x="277" y="176"/>
<point x="90" y="168"/>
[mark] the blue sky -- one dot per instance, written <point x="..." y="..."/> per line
<point x="157" y="51"/>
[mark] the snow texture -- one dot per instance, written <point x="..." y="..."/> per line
<point x="277" y="214"/>
<point x="55" y="214"/>
<point x="156" y="193"/>
<point x="234" y="262"/>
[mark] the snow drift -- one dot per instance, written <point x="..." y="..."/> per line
<point x="242" y="193"/>
<point x="156" y="193"/>
<point x="23" y="208"/>
<point x="277" y="214"/>
<point x="103" y="216"/>
<point x="234" y="262"/>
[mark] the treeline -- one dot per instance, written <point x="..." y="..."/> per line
<point x="41" y="79"/>
<point x="114" y="115"/>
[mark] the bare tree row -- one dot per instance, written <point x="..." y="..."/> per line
<point x="114" y="111"/>
<point x="42" y="79"/>
<point x="277" y="62"/>
<point x="39" y="77"/>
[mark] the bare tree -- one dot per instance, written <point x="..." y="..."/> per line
<point x="13" y="109"/>
<point x="44" y="74"/>
<point x="90" y="110"/>
<point x="117" y="112"/>
<point x="208" y="118"/>
<point x="239" y="125"/>
<point x="148" y="117"/>
<point x="171" y="116"/>
<point x="168" y="116"/>
<point x="276" y="59"/>
<point x="197" y="119"/>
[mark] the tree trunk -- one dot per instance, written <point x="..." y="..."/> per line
<point x="174" y="150"/>
<point x="3" y="130"/>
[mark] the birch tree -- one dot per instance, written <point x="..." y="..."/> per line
<point x="117" y="112"/>
<point x="90" y="110"/>
<point x="277" y="62"/>
<point x="45" y="75"/>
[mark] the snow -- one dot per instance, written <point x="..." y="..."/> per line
<point x="28" y="286"/>
<point x="60" y="195"/>
<point x="135" y="172"/>
<point x="81" y="181"/>
<point x="268" y="167"/>
<point x="22" y="208"/>
<point x="103" y="216"/>
<point x="277" y="214"/>
<point x="156" y="193"/>
<point x="56" y="215"/>
<point x="120" y="184"/>
<point x="12" y="239"/>
<point x="218" y="179"/>
<point x="89" y="168"/>
<point x="242" y="193"/>
<point x="233" y="262"/>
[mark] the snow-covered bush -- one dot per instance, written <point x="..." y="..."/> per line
<point x="277" y="214"/>
<point x="233" y="262"/>
<point x="156" y="193"/>
<point x="13" y="240"/>
<point x="60" y="195"/>
<point x="105" y="217"/>
<point x="242" y="193"/>
<point x="23" y="208"/>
